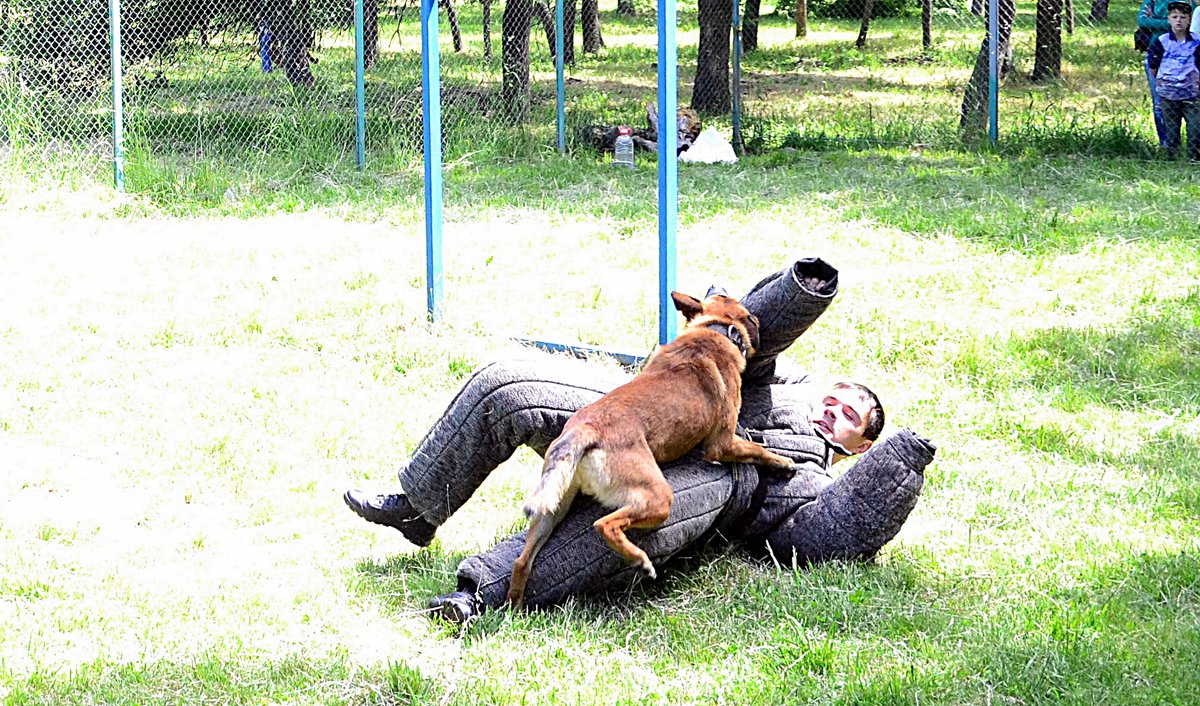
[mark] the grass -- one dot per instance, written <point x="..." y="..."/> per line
<point x="194" y="372"/>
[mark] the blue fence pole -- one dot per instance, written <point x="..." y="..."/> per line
<point x="737" y="79"/>
<point x="559" y="83"/>
<point x="360" y="98"/>
<point x="431" y="94"/>
<point x="993" y="71"/>
<point x="668" y="167"/>
<point x="118" y="99"/>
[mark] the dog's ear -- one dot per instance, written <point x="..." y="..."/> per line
<point x="751" y="322"/>
<point x="687" y="305"/>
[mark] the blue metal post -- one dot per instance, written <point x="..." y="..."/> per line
<point x="668" y="167"/>
<point x="561" y="101"/>
<point x="118" y="126"/>
<point x="431" y="94"/>
<point x="737" y="78"/>
<point x="360" y="99"/>
<point x="993" y="70"/>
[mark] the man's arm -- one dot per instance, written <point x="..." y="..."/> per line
<point x="786" y="304"/>
<point x="1146" y="18"/>
<point x="1154" y="56"/>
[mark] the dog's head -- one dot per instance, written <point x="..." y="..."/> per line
<point x="719" y="309"/>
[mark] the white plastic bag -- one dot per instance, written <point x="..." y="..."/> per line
<point x="710" y="148"/>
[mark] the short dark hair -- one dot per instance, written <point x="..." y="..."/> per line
<point x="1184" y="7"/>
<point x="874" y="415"/>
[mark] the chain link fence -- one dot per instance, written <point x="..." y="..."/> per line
<point x="233" y="79"/>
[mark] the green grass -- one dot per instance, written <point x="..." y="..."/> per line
<point x="194" y="371"/>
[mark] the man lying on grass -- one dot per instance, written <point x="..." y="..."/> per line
<point x="802" y="518"/>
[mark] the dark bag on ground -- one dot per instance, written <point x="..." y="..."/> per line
<point x="1141" y="39"/>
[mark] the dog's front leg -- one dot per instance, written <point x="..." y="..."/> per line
<point x="735" y="449"/>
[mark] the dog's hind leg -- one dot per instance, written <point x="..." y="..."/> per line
<point x="541" y="525"/>
<point x="649" y="510"/>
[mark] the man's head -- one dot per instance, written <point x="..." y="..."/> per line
<point x="849" y="415"/>
<point x="1179" y="16"/>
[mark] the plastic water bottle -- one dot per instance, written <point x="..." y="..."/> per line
<point x="623" y="150"/>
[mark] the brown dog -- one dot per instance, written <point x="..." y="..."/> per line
<point x="688" y="393"/>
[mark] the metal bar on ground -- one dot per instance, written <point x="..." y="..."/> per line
<point x="118" y="98"/>
<point x="431" y="95"/>
<point x="993" y="70"/>
<point x="668" y="166"/>
<point x="360" y="102"/>
<point x="581" y="351"/>
<point x="559" y="81"/>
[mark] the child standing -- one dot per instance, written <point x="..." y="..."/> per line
<point x="1174" y="57"/>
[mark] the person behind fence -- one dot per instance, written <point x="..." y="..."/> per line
<point x="1153" y="18"/>
<point x="804" y="517"/>
<point x="1174" y="57"/>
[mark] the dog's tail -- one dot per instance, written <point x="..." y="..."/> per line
<point x="558" y="471"/>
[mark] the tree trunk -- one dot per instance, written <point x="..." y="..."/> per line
<point x="1069" y="12"/>
<point x="926" y="24"/>
<point x="455" y="29"/>
<point x="1099" y="11"/>
<point x="710" y="94"/>
<point x="370" y="33"/>
<point x="973" y="116"/>
<point x="514" y="48"/>
<point x="750" y="25"/>
<point x="590" y="22"/>
<point x="1047" y="54"/>
<point x="801" y="19"/>
<point x="626" y="8"/>
<point x="868" y="10"/>
<point x="292" y="25"/>
<point x="487" y="28"/>
<point x="569" y="32"/>
<point x="546" y="18"/>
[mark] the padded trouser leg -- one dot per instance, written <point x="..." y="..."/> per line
<point x="502" y="406"/>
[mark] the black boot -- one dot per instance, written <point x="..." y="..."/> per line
<point x="457" y="607"/>
<point x="392" y="510"/>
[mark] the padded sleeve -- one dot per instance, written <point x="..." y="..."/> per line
<point x="855" y="515"/>
<point x="786" y="304"/>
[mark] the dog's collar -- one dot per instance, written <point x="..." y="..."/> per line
<point x="733" y="334"/>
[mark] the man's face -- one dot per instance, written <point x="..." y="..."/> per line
<point x="1178" y="20"/>
<point x="842" y="417"/>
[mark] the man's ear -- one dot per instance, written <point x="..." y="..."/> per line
<point x="687" y="305"/>
<point x="862" y="448"/>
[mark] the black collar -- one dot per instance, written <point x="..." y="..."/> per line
<point x="733" y="334"/>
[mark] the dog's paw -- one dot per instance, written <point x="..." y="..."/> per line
<point x="516" y="598"/>
<point x="648" y="569"/>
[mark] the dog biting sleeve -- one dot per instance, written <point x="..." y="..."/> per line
<point x="502" y="406"/>
<point x="855" y="515"/>
<point x="786" y="304"/>
<point x="576" y="561"/>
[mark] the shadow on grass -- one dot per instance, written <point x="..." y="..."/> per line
<point x="1153" y="364"/>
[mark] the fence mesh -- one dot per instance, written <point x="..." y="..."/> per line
<point x="234" y="79"/>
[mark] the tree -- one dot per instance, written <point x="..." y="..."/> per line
<point x="1099" y="11"/>
<point x="710" y="93"/>
<point x="973" y="115"/>
<point x="514" y="50"/>
<point x="868" y="9"/>
<point x="750" y="25"/>
<point x="626" y="8"/>
<point x="801" y="19"/>
<point x="592" y="39"/>
<point x="926" y="24"/>
<point x="1047" y="55"/>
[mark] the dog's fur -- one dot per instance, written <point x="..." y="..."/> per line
<point x="688" y="393"/>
